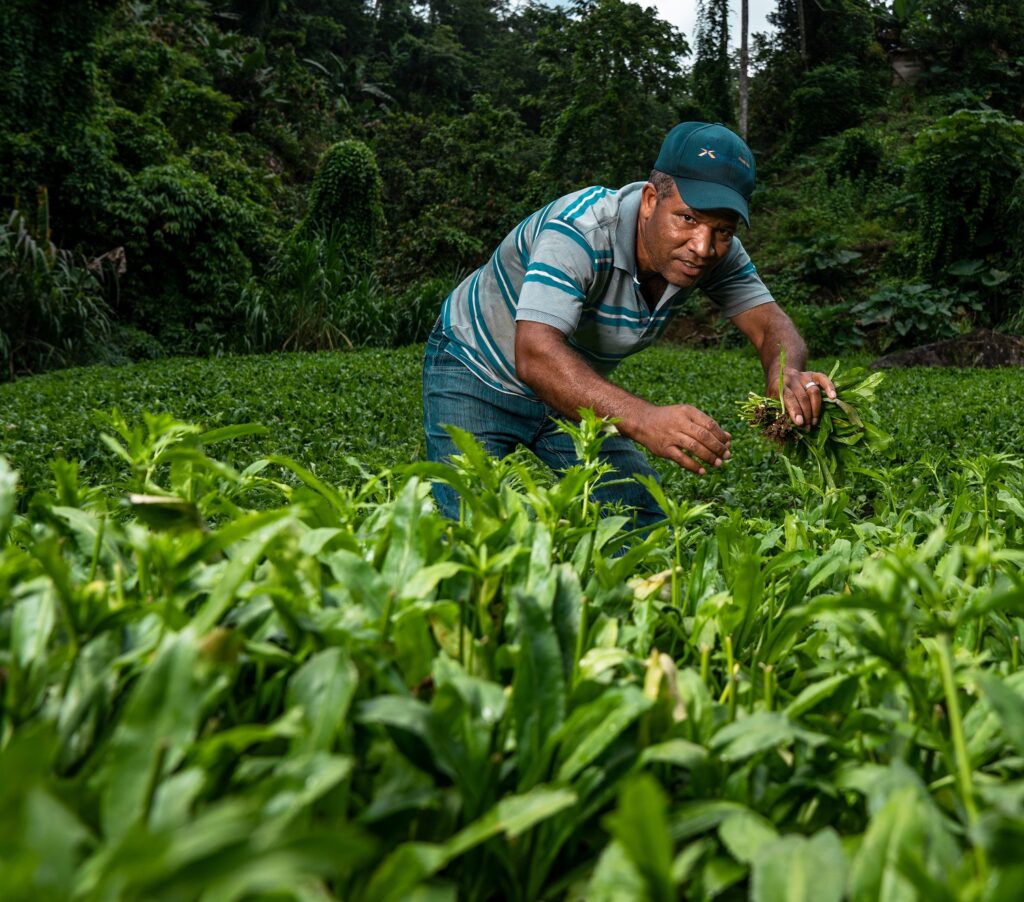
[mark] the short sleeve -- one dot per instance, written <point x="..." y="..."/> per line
<point x="560" y="269"/>
<point x="734" y="285"/>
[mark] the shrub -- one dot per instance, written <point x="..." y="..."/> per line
<point x="188" y="250"/>
<point x="964" y="171"/>
<point x="908" y="315"/>
<point x="346" y="198"/>
<point x="299" y="307"/>
<point x="829" y="99"/>
<point x="314" y="299"/>
<point x="858" y="155"/>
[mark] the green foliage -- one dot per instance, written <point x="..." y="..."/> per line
<point x="49" y="86"/>
<point x="455" y="186"/>
<point x="614" y="76"/>
<point x="829" y="99"/>
<point x="858" y="156"/>
<point x="711" y="81"/>
<point x="187" y="246"/>
<point x="52" y="305"/>
<point x="314" y="299"/>
<point x="346" y="199"/>
<point x="229" y="680"/>
<point x="918" y="313"/>
<point x="191" y="112"/>
<point x="975" y="47"/>
<point x="830" y="447"/>
<point x="965" y="169"/>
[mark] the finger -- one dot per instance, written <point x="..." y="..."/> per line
<point x="702" y="420"/>
<point x="674" y="453"/>
<point x="795" y="406"/>
<point x="826" y="385"/>
<point x="701" y="443"/>
<point x="813" y="391"/>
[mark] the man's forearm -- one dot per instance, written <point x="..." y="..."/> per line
<point x="565" y="381"/>
<point x="781" y="338"/>
<point x="562" y="379"/>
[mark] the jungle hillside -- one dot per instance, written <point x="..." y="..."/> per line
<point x="203" y="177"/>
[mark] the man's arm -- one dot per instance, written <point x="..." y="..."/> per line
<point x="772" y="333"/>
<point x="564" y="381"/>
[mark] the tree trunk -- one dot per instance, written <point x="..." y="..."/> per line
<point x="744" y="61"/>
<point x="802" y="23"/>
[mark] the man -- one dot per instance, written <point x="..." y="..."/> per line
<point x="590" y="279"/>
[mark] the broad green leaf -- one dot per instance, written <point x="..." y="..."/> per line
<point x="640" y="825"/>
<point x="8" y="498"/>
<point x="158" y="724"/>
<point x="907" y="823"/>
<point x="425" y="581"/>
<point x="815" y="694"/>
<point x="760" y="732"/>
<point x="1008" y="704"/>
<point x="323" y="687"/>
<point x="677" y="752"/>
<point x="589" y="730"/>
<point x="745" y="833"/>
<point x="225" y="433"/>
<point x="798" y="869"/>
<point x="237" y="570"/>
<point x="411" y="863"/>
<point x="538" y="688"/>
<point x="616" y="877"/>
<point x="31" y="626"/>
<point x="694" y="818"/>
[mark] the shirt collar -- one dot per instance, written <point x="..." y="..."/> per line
<point x="624" y="243"/>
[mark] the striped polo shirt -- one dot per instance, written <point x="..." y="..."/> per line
<point x="572" y="265"/>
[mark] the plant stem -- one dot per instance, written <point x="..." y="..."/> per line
<point x="963" y="762"/>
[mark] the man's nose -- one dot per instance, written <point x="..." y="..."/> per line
<point x="703" y="241"/>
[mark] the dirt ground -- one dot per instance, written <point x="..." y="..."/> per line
<point x="981" y="348"/>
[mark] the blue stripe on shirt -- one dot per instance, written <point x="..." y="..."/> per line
<point x="543" y="279"/>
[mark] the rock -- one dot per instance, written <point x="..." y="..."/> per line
<point x="981" y="348"/>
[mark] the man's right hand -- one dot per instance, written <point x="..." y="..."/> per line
<point x="682" y="433"/>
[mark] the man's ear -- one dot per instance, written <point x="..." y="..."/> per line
<point x="648" y="200"/>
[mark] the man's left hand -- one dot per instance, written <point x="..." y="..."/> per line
<point x="801" y="394"/>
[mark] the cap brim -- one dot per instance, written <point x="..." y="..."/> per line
<point x="712" y="196"/>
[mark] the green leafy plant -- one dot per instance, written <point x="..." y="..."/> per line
<point x="845" y="422"/>
<point x="53" y="309"/>
<point x="964" y="168"/>
<point x="907" y="315"/>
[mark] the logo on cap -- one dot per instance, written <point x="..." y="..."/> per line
<point x="707" y="151"/>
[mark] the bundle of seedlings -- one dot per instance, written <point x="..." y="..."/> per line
<point x="844" y="424"/>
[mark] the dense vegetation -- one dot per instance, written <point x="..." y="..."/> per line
<point x="207" y="176"/>
<point x="242" y="656"/>
<point x="224" y="676"/>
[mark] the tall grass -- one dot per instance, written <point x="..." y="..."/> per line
<point x="52" y="306"/>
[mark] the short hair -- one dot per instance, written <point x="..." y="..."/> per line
<point x="663" y="183"/>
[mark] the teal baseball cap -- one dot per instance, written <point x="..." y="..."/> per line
<point x="712" y="166"/>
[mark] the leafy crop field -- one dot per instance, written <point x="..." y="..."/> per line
<point x="241" y="663"/>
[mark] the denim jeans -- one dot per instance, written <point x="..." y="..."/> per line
<point x="501" y="422"/>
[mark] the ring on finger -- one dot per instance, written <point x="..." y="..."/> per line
<point x="812" y="385"/>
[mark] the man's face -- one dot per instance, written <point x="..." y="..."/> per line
<point x="678" y="242"/>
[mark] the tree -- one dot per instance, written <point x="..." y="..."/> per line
<point x="615" y="85"/>
<point x="711" y="77"/>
